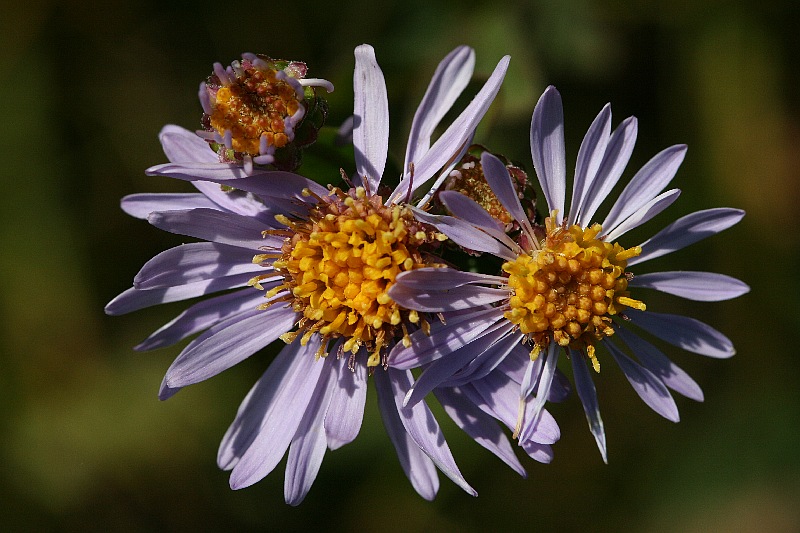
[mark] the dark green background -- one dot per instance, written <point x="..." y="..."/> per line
<point x="84" y="90"/>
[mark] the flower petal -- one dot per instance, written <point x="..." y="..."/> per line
<point x="452" y="144"/>
<point x="687" y="230"/>
<point x="466" y="235"/>
<point x="698" y="286"/>
<point x="645" y="213"/>
<point x="588" y="396"/>
<point x="201" y="316"/>
<point x="183" y="146"/>
<point x="671" y="374"/>
<point x="371" y="116"/>
<point x="346" y="411"/>
<point x="487" y="361"/>
<point x="618" y="153"/>
<point x="684" y="332"/>
<point x="308" y="446"/>
<point x="590" y="155"/>
<point x="141" y="205"/>
<point x="419" y="468"/>
<point x="193" y="262"/>
<point x="454" y="299"/>
<point x="646" y="384"/>
<point x="448" y="82"/>
<point x="499" y="180"/>
<point x="443" y="339"/>
<point x="442" y="278"/>
<point x="479" y="426"/>
<point x="281" y="411"/>
<point x="423" y="428"/>
<point x="134" y="299"/>
<point x="547" y="149"/>
<point x="651" y="179"/>
<point x="229" y="343"/>
<point x="216" y="226"/>
<point x="531" y="419"/>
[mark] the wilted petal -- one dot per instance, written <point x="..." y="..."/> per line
<point x="699" y="286"/>
<point x="547" y="149"/>
<point x="371" y="118"/>
<point x="684" y="332"/>
<point x="646" y="384"/>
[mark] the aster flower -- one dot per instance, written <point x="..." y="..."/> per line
<point x="324" y="260"/>
<point x="566" y="285"/>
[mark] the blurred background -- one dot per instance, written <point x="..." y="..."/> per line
<point x="85" y="88"/>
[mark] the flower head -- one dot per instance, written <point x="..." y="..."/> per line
<point x="566" y="286"/>
<point x="255" y="109"/>
<point x="325" y="260"/>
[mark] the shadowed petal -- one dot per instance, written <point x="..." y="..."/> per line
<point x="443" y="278"/>
<point x="419" y="468"/>
<point x="499" y="180"/>
<point x="466" y="235"/>
<point x="454" y="299"/>
<point x="479" y="426"/>
<point x="183" y="146"/>
<point x="645" y="213"/>
<point x="371" y="118"/>
<point x="141" y="205"/>
<point x="547" y="149"/>
<point x="533" y="414"/>
<point x="216" y="226"/>
<point x="646" y="384"/>
<point x="346" y="411"/>
<point x="684" y="332"/>
<point x="699" y="286"/>
<point x="469" y="210"/>
<point x="687" y="230"/>
<point x="588" y="396"/>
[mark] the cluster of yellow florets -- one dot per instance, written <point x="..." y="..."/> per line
<point x="567" y="291"/>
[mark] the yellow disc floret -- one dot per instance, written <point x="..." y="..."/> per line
<point x="568" y="290"/>
<point x="339" y="264"/>
<point x="255" y="105"/>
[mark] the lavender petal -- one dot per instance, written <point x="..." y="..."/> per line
<point x="371" y="116"/>
<point x="141" y="205"/>
<point x="466" y="235"/>
<point x="499" y="180"/>
<point x="698" y="286"/>
<point x="183" y="146"/>
<point x="346" y="411"/>
<point x="442" y="278"/>
<point x="470" y="211"/>
<point x="684" y="332"/>
<point x="216" y="226"/>
<point x="590" y="155"/>
<point x="457" y="298"/>
<point x="588" y="396"/>
<point x="645" y="213"/>
<point x="547" y="149"/>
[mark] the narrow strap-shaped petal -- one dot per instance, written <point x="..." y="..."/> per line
<point x="645" y="213"/>
<point x="141" y="205"/>
<point x="449" y="80"/>
<point x="443" y="339"/>
<point x="442" y="301"/>
<point x="618" y="153"/>
<point x="216" y="226"/>
<point x="587" y="393"/>
<point x="346" y="411"/>
<point x="466" y="235"/>
<point x="183" y="146"/>
<point x="542" y="391"/>
<point x="590" y="155"/>
<point x="452" y="144"/>
<point x="287" y="367"/>
<point x="499" y="180"/>
<point x="659" y="364"/>
<point x="371" y="118"/>
<point x="479" y="426"/>
<point x="193" y="262"/>
<point x="469" y="210"/>
<point x="487" y="361"/>
<point x="443" y="278"/>
<point x="443" y="368"/>
<point x="134" y="299"/>
<point x="201" y="316"/>
<point x="424" y="429"/>
<point x="236" y="201"/>
<point x="646" y="384"/>
<point x="684" y="332"/>
<point x="308" y="446"/>
<point x="547" y="149"/>
<point x="698" y="286"/>
<point x="229" y="343"/>
<point x="687" y="230"/>
<point x="651" y="179"/>
<point x="418" y="467"/>
<point x="281" y="414"/>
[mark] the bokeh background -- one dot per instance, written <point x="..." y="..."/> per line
<point x="85" y="88"/>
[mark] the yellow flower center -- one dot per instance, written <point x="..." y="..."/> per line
<point x="256" y="104"/>
<point x="568" y="290"/>
<point x="339" y="264"/>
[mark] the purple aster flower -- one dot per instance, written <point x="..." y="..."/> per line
<point x="324" y="260"/>
<point x="566" y="285"/>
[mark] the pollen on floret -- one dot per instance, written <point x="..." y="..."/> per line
<point x="339" y="264"/>
<point x="567" y="290"/>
